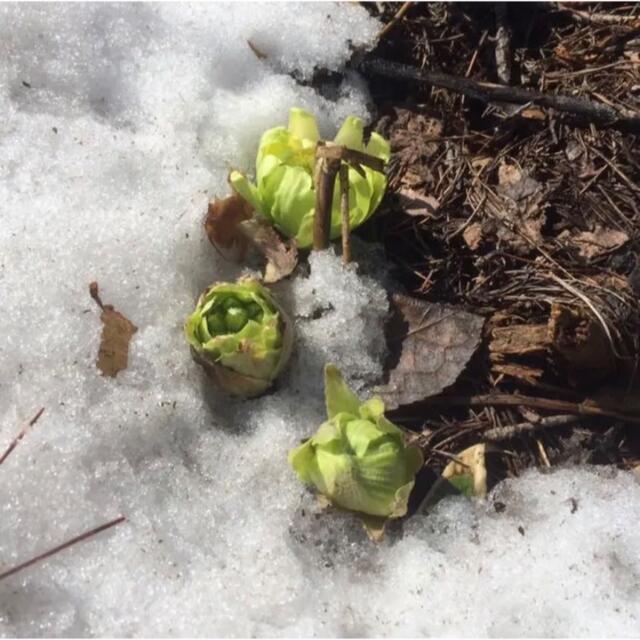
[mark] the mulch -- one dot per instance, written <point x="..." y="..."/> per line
<point x="524" y="213"/>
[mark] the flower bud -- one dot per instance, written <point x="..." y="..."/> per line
<point x="284" y="192"/>
<point x="241" y="336"/>
<point x="357" y="458"/>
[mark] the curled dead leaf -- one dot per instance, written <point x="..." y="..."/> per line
<point x="117" y="331"/>
<point x="234" y="229"/>
<point x="222" y="225"/>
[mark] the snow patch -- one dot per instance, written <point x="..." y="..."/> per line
<point x="119" y="123"/>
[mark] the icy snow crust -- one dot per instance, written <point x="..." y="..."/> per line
<point x="118" y="123"/>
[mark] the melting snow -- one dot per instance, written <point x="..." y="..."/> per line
<point x="119" y="122"/>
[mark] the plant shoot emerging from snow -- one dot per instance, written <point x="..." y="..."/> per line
<point x="357" y="458"/>
<point x="240" y="335"/>
<point x="284" y="191"/>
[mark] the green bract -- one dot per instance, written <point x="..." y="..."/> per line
<point x="240" y="335"/>
<point x="284" y="190"/>
<point x="358" y="458"/>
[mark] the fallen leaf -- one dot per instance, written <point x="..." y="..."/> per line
<point x="592" y="244"/>
<point x="281" y="258"/>
<point x="417" y="204"/>
<point x="117" y="331"/>
<point x="468" y="473"/>
<point x="473" y="235"/>
<point x="432" y="344"/>
<point x="222" y="225"/>
<point x="233" y="229"/>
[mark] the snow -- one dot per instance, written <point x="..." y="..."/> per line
<point x="119" y="123"/>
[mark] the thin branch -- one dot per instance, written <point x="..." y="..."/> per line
<point x="326" y="171"/>
<point x="488" y="92"/>
<point x="511" y="431"/>
<point x="394" y="21"/>
<point x="344" y="207"/>
<point x="21" y="434"/>
<point x="62" y="547"/>
<point x="584" y="408"/>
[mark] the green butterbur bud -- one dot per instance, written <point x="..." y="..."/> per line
<point x="358" y="459"/>
<point x="284" y="191"/>
<point x="241" y="336"/>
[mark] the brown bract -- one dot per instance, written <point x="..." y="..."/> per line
<point x="234" y="229"/>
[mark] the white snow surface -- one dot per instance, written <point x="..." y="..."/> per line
<point x="118" y="123"/>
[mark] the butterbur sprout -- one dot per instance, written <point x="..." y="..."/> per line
<point x="241" y="336"/>
<point x="357" y="458"/>
<point x="284" y="192"/>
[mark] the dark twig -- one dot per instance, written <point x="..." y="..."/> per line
<point x="344" y="208"/>
<point x="511" y="431"/>
<point x="584" y="408"/>
<point x="326" y="171"/>
<point x="394" y="21"/>
<point x="329" y="158"/>
<point x="62" y="547"/>
<point x="21" y="434"/>
<point x="488" y="92"/>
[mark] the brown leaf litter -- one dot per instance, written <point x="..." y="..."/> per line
<point x="117" y="331"/>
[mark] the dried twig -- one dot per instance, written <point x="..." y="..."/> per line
<point x="602" y="18"/>
<point x="62" y="547"/>
<point x="584" y="408"/>
<point x="396" y="18"/>
<point x="326" y="171"/>
<point x="512" y="431"/>
<point x="344" y="207"/>
<point x="329" y="158"/>
<point x="21" y="434"/>
<point x="488" y="92"/>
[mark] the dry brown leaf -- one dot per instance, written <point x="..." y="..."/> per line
<point x="281" y="258"/>
<point x="417" y="204"/>
<point x="434" y="341"/>
<point x="222" y="225"/>
<point x="592" y="244"/>
<point x="233" y="229"/>
<point x="117" y="331"/>
<point x="473" y="235"/>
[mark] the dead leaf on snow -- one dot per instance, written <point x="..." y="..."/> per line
<point x="592" y="244"/>
<point x="222" y="225"/>
<point x="233" y="229"/>
<point x="281" y="258"/>
<point x="117" y="331"/>
<point x="431" y="344"/>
